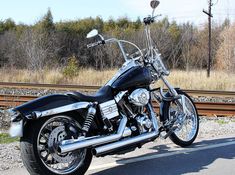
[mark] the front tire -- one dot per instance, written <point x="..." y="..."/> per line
<point x="186" y="134"/>
<point x="39" y="147"/>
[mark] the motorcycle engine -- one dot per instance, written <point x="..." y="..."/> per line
<point x="139" y="98"/>
<point x="144" y="123"/>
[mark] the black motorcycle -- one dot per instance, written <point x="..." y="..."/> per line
<point x="60" y="133"/>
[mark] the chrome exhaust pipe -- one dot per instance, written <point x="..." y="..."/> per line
<point x="129" y="141"/>
<point x="71" y="145"/>
<point x="112" y="146"/>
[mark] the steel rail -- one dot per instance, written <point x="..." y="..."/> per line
<point x="87" y="88"/>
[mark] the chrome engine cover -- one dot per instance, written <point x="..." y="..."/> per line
<point x="109" y="109"/>
<point x="144" y="123"/>
<point x="139" y="97"/>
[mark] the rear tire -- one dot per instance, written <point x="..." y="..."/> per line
<point x="33" y="160"/>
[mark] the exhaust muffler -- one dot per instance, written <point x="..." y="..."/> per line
<point x="71" y="145"/>
<point x="112" y="146"/>
<point x="129" y="141"/>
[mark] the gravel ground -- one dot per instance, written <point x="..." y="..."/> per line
<point x="10" y="156"/>
<point x="4" y="120"/>
<point x="209" y="128"/>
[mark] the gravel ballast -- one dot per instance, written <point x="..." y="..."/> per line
<point x="209" y="128"/>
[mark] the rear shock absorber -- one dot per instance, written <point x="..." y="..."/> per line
<point x="89" y="118"/>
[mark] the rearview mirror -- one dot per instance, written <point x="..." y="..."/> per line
<point x="154" y="4"/>
<point x="92" y="33"/>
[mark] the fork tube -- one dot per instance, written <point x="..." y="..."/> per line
<point x="171" y="88"/>
<point x="147" y="38"/>
<point x="150" y="43"/>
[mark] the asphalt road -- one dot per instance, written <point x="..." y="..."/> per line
<point x="206" y="156"/>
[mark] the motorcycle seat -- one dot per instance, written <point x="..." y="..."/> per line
<point x="102" y="95"/>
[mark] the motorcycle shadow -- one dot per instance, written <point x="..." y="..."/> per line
<point x="172" y="161"/>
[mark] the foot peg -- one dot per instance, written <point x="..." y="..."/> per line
<point x="168" y="133"/>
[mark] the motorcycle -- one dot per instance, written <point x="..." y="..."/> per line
<point x="60" y="133"/>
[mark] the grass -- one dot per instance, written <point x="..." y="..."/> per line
<point x="183" y="79"/>
<point x="198" y="80"/>
<point x="222" y="122"/>
<point x="5" y="138"/>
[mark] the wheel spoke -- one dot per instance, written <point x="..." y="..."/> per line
<point x="188" y="127"/>
<point x="52" y="132"/>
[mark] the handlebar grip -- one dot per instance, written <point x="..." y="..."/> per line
<point x="95" y="44"/>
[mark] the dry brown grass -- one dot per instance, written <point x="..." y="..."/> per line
<point x="198" y="80"/>
<point x="185" y="80"/>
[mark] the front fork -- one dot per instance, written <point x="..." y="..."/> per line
<point x="171" y="95"/>
<point x="179" y="99"/>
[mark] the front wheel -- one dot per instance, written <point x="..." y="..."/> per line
<point x="187" y="125"/>
<point x="39" y="147"/>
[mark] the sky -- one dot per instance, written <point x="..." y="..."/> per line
<point x="30" y="11"/>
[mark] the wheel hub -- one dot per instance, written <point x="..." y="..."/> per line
<point x="58" y="135"/>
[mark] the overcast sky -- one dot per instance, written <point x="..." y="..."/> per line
<point x="30" y="11"/>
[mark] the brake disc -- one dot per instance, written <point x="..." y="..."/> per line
<point x="57" y="135"/>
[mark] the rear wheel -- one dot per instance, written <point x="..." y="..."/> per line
<point x="187" y="125"/>
<point x="40" y="144"/>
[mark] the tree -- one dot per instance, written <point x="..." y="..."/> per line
<point x="7" y="25"/>
<point x="10" y="50"/>
<point x="38" y="49"/>
<point x="46" y="24"/>
<point x="225" y="56"/>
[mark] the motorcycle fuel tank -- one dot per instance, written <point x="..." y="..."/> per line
<point x="133" y="78"/>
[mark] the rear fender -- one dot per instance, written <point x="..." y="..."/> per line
<point x="49" y="105"/>
<point x="42" y="107"/>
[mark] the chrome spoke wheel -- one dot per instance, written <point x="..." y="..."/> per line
<point x="187" y="124"/>
<point x="54" y="131"/>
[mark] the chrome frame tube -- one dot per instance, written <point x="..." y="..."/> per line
<point x="71" y="145"/>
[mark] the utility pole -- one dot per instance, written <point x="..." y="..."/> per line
<point x="209" y="42"/>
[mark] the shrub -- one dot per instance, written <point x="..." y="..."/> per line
<point x="71" y="70"/>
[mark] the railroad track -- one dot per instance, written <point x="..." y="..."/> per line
<point x="196" y="93"/>
<point x="204" y="108"/>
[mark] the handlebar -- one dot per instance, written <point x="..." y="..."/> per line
<point x="95" y="44"/>
<point x="150" y="19"/>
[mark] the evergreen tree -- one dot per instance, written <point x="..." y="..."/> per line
<point x="46" y="24"/>
<point x="7" y="25"/>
